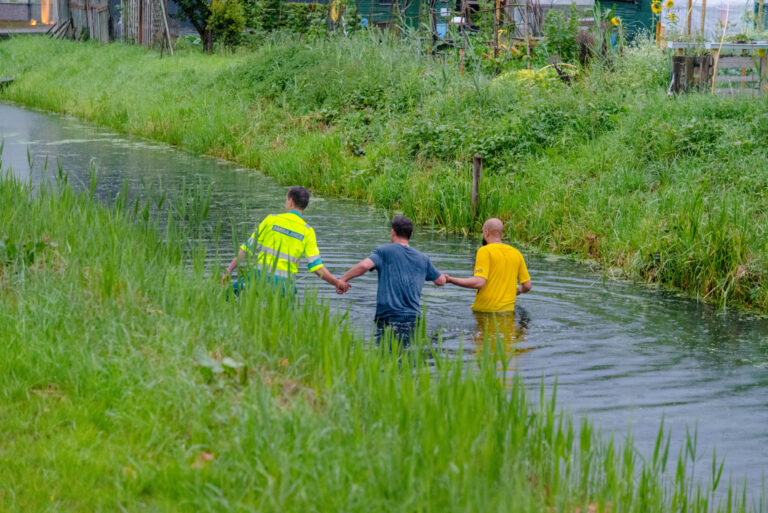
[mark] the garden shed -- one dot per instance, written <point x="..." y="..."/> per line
<point x="62" y="18"/>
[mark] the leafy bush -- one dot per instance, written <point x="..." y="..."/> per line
<point x="227" y="22"/>
<point x="560" y="34"/>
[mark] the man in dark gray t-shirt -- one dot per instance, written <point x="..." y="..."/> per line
<point x="402" y="273"/>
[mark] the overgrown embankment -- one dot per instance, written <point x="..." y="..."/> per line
<point x="668" y="190"/>
<point x="128" y="382"/>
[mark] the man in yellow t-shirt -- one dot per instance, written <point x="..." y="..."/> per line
<point x="500" y="273"/>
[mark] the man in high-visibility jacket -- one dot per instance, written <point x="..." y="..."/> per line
<point x="280" y="243"/>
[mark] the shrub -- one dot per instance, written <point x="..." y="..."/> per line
<point x="227" y="22"/>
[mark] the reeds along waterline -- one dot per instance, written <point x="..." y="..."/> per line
<point x="610" y="169"/>
<point x="128" y="379"/>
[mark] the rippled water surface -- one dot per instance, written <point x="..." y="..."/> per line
<point x="622" y="354"/>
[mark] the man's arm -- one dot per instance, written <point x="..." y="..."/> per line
<point x="325" y="275"/>
<point x="358" y="269"/>
<point x="522" y="288"/>
<point x="231" y="266"/>
<point x="475" y="282"/>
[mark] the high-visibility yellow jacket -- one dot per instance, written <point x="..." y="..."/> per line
<point x="281" y="242"/>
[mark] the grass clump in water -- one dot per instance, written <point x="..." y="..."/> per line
<point x="129" y="381"/>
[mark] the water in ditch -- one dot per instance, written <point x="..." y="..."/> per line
<point x="623" y="355"/>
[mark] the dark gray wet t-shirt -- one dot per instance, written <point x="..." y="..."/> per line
<point x="402" y="273"/>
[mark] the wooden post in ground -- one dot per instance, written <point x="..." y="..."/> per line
<point x="743" y="70"/>
<point x="703" y="14"/>
<point x="165" y="23"/>
<point x="477" y="169"/>
<point x="716" y="58"/>
<point x="690" y="9"/>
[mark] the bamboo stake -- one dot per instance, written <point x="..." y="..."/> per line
<point x="527" y="38"/>
<point x="496" y="30"/>
<point x="703" y="14"/>
<point x="690" y="9"/>
<point x="165" y="22"/>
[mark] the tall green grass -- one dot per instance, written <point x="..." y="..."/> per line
<point x="128" y="382"/>
<point x="667" y="190"/>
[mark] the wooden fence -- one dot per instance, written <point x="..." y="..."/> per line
<point x="730" y="69"/>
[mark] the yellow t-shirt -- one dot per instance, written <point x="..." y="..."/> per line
<point x="503" y="268"/>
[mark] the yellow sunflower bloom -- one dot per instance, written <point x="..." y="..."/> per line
<point x="656" y="8"/>
<point x="672" y="17"/>
<point x="670" y="4"/>
<point x="615" y="21"/>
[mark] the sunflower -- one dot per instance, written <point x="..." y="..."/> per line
<point x="616" y="21"/>
<point x="672" y="17"/>
<point x="656" y="7"/>
<point x="670" y="4"/>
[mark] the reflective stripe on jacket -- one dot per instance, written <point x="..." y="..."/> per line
<point x="282" y="241"/>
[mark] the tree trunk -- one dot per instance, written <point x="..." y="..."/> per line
<point x="207" y="40"/>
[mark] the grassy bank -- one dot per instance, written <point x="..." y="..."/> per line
<point x="129" y="383"/>
<point x="666" y="190"/>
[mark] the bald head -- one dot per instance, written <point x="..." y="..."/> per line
<point x="493" y="230"/>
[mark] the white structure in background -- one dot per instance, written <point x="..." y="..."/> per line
<point x="723" y="18"/>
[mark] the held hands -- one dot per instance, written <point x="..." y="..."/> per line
<point x="342" y="286"/>
<point x="442" y="280"/>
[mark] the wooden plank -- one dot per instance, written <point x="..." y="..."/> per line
<point x="736" y="62"/>
<point x="764" y="73"/>
<point x="678" y="64"/>
<point x="726" y="91"/>
<point x="689" y="73"/>
<point x="705" y="72"/>
<point x="733" y="79"/>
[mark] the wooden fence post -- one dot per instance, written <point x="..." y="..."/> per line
<point x="477" y="169"/>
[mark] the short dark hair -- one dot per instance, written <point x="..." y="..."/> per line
<point x="300" y="196"/>
<point x="403" y="227"/>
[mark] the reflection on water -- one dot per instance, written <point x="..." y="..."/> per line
<point x="501" y="336"/>
<point x="621" y="354"/>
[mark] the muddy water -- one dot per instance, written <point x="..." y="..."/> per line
<point x="622" y="354"/>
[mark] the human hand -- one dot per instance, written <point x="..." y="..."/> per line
<point x="519" y="289"/>
<point x="225" y="278"/>
<point x="342" y="286"/>
<point x="440" y="281"/>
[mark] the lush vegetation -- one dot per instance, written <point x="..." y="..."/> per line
<point x="129" y="382"/>
<point x="668" y="190"/>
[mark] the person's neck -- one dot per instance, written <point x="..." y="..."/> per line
<point x="401" y="241"/>
<point x="294" y="209"/>
<point x="491" y="240"/>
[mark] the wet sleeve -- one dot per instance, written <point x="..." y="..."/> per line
<point x="482" y="263"/>
<point x="377" y="257"/>
<point x="432" y="272"/>
<point x="522" y="271"/>
<point x="311" y="252"/>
